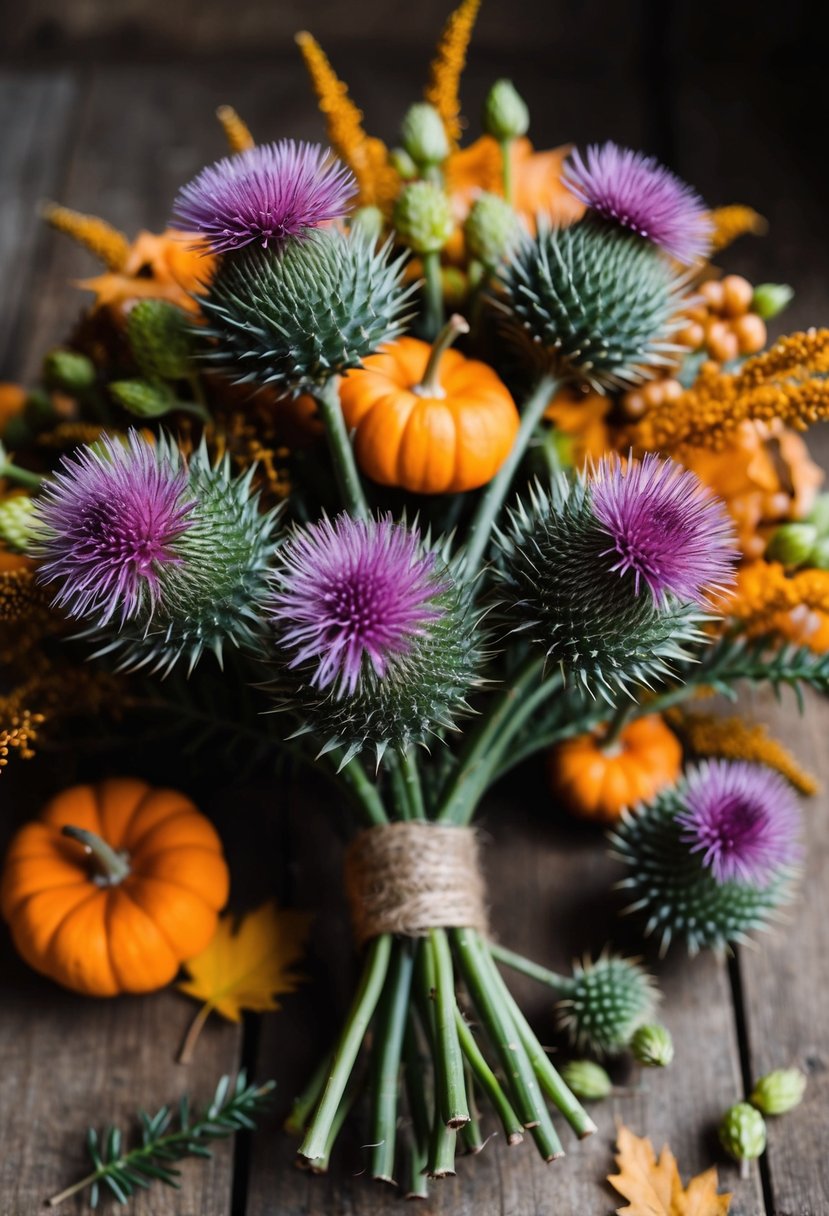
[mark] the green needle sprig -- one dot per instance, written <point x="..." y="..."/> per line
<point x="165" y="1140"/>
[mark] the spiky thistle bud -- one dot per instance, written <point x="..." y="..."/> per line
<point x="779" y="1092"/>
<point x="605" y="1002"/>
<point x="423" y="217"/>
<point x="69" y="371"/>
<point x="713" y="858"/>
<point x="423" y="136"/>
<point x="314" y="309"/>
<point x="599" y="302"/>
<point x="505" y="114"/>
<point x="608" y="572"/>
<point x="375" y="642"/>
<point x="143" y="398"/>
<point x="652" y="1045"/>
<point x="16" y="515"/>
<point x="743" y="1134"/>
<point x="160" y="558"/>
<point x="587" y="1080"/>
<point x="161" y="340"/>
<point x="491" y="229"/>
<point x="769" y="299"/>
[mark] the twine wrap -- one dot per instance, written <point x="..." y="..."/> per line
<point x="408" y="878"/>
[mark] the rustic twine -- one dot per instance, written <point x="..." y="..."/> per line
<point x="408" y="878"/>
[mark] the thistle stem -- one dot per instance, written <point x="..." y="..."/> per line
<point x="506" y="168"/>
<point x="111" y="867"/>
<point x="411" y="776"/>
<point x="414" y="1072"/>
<point x="526" y="967"/>
<point x="488" y="1082"/>
<point x="430" y="385"/>
<point x="432" y="295"/>
<point x="385" y="1080"/>
<point x="347" y="1049"/>
<point x="365" y="791"/>
<point x="305" y="1101"/>
<point x="327" y="398"/>
<point x="449" y="1080"/>
<point x="23" y="477"/>
<point x="496" y="492"/>
<point x="624" y="713"/>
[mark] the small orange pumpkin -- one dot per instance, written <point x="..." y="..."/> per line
<point x="427" y="418"/>
<point x="598" y="783"/>
<point x="114" y="887"/>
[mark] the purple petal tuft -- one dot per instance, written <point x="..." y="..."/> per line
<point x="264" y="195"/>
<point x="638" y="193"/>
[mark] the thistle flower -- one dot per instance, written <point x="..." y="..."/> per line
<point x="159" y="558"/>
<point x="574" y="560"/>
<point x="605" y="1003"/>
<point x="742" y="818"/>
<point x="264" y="195"/>
<point x="712" y="859"/>
<point x="666" y="529"/>
<point x="376" y="646"/>
<point x="639" y="194"/>
<point x="315" y="309"/>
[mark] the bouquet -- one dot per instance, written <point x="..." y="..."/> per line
<point x="409" y="464"/>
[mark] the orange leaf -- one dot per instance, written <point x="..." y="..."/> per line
<point x="246" y="966"/>
<point x="654" y="1188"/>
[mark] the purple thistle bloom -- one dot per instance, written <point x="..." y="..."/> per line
<point x="665" y="526"/>
<point x="742" y="817"/>
<point x="637" y="192"/>
<point x="264" y="195"/>
<point x="107" y="524"/>
<point x="353" y="593"/>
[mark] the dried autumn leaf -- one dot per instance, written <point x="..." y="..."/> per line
<point x="654" y="1188"/>
<point x="246" y="966"/>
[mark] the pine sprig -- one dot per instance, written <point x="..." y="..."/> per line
<point x="168" y="1136"/>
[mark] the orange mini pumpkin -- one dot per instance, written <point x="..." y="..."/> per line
<point x="114" y="887"/>
<point x="427" y="418"/>
<point x="598" y="783"/>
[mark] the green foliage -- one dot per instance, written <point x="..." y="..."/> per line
<point x="599" y="301"/>
<point x="167" y="1137"/>
<point x="295" y="316"/>
<point x="143" y="398"/>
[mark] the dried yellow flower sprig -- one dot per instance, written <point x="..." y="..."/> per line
<point x="58" y="691"/>
<point x="735" y="739"/>
<point x="447" y="67"/>
<point x="19" y="736"/>
<point x="729" y="223"/>
<point x="785" y="383"/>
<point x="236" y="131"/>
<point x="96" y="235"/>
<point x="367" y="157"/>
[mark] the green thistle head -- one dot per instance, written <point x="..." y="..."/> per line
<point x="779" y="1092"/>
<point x="600" y="302"/>
<point x="587" y="1080"/>
<point x="605" y="1002"/>
<point x="423" y="217"/>
<point x="297" y="314"/>
<point x="743" y="1132"/>
<point x="16" y="519"/>
<point x="491" y="229"/>
<point x="161" y="339"/>
<point x="652" y="1045"/>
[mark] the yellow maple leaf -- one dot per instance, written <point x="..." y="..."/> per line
<point x="246" y="966"/>
<point x="654" y="1188"/>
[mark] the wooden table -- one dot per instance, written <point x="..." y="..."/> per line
<point x="117" y="137"/>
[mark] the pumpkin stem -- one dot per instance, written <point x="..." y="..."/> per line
<point x="430" y="385"/>
<point x="111" y="867"/>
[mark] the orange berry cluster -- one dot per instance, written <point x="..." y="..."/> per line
<point x="721" y="321"/>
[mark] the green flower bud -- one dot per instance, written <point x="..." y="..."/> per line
<point x="743" y="1133"/>
<point x="491" y="228"/>
<point x="587" y="1080"/>
<point x="16" y="523"/>
<point x="505" y="112"/>
<point x="142" y="398"/>
<point x="68" y="370"/>
<point x="819" y="556"/>
<point x="779" y="1091"/>
<point x="403" y="163"/>
<point x="771" y="298"/>
<point x="652" y="1045"/>
<point x="819" y="514"/>
<point x="423" y="136"/>
<point x="368" y="221"/>
<point x="792" y="544"/>
<point x="423" y="217"/>
<point x="160" y="338"/>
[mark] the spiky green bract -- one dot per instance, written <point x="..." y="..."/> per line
<point x="417" y="694"/>
<point x="16" y="520"/>
<point x="161" y="339"/>
<point x="601" y="302"/>
<point x="652" y="1045"/>
<point x="213" y="595"/>
<point x="605" y="1002"/>
<point x="678" y="894"/>
<point x="560" y="584"/>
<point x="295" y="315"/>
<point x="743" y="1132"/>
